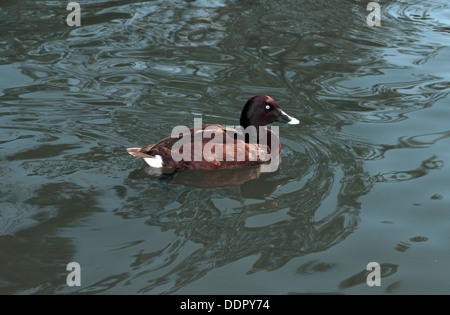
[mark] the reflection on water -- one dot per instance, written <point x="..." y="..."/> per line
<point x="362" y="179"/>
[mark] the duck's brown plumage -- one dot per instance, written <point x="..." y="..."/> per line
<point x="208" y="159"/>
<point x="256" y="112"/>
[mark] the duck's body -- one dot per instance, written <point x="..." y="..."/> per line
<point x="212" y="146"/>
<point x="160" y="155"/>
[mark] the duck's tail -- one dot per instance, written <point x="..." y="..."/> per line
<point x="152" y="160"/>
<point x="137" y="152"/>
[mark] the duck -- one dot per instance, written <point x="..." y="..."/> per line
<point x="213" y="146"/>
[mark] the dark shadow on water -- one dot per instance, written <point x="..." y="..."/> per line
<point x="252" y="182"/>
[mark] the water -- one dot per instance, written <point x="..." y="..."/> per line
<point x="364" y="177"/>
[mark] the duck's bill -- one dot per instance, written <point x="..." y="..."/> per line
<point x="285" y="118"/>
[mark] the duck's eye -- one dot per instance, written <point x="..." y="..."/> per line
<point x="267" y="106"/>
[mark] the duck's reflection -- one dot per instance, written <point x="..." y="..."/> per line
<point x="253" y="183"/>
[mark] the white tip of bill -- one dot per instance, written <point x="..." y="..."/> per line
<point x="156" y="162"/>
<point x="294" y="121"/>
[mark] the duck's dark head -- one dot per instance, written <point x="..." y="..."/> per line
<point x="262" y="110"/>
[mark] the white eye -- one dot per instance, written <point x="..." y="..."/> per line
<point x="267" y="106"/>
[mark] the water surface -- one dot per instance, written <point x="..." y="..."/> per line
<point x="364" y="177"/>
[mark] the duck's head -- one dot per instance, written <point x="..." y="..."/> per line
<point x="262" y="110"/>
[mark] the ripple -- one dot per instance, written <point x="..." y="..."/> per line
<point x="424" y="141"/>
<point x="312" y="267"/>
<point x="437" y="197"/>
<point x="417" y="239"/>
<point x="402" y="247"/>
<point x="400" y="176"/>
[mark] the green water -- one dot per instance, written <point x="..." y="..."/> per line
<point x="364" y="177"/>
